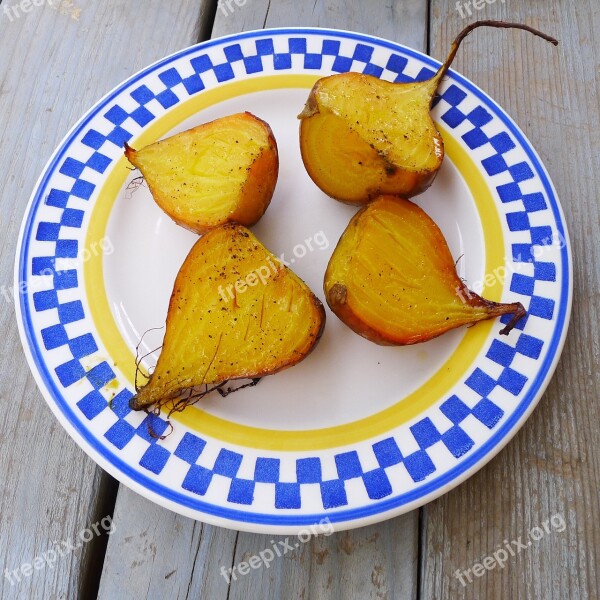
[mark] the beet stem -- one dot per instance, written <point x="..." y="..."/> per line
<point x="519" y="313"/>
<point x="486" y="23"/>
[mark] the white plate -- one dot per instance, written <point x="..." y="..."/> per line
<point x="356" y="433"/>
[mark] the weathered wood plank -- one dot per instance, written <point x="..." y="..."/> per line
<point x="156" y="553"/>
<point x="374" y="562"/>
<point x="403" y="22"/>
<point x="553" y="464"/>
<point x="55" y="63"/>
<point x="385" y="558"/>
<point x="369" y="563"/>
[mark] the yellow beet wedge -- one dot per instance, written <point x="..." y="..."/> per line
<point x="235" y="312"/>
<point x="361" y="136"/>
<point x="393" y="280"/>
<point x="220" y="172"/>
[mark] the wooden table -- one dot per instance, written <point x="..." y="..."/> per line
<point x="56" y="60"/>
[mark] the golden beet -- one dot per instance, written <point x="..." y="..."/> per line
<point x="220" y="172"/>
<point x="361" y="136"/>
<point x="393" y="280"/>
<point x="235" y="312"/>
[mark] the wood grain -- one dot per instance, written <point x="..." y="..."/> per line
<point x="371" y="563"/>
<point x="156" y="553"/>
<point x="553" y="464"/>
<point x="55" y="64"/>
<point x="403" y="22"/>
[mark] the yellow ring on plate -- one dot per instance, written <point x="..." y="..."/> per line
<point x="206" y="424"/>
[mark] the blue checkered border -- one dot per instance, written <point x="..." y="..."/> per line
<point x="123" y="120"/>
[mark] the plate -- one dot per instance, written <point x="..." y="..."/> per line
<point x="356" y="433"/>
